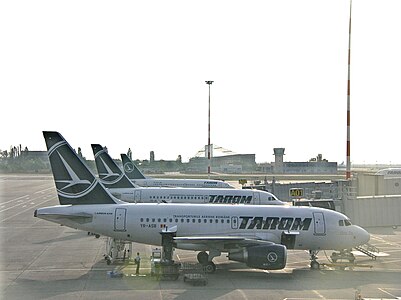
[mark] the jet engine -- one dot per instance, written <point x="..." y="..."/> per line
<point x="267" y="257"/>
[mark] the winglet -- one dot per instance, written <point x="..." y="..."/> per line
<point x="130" y="169"/>
<point x="75" y="183"/>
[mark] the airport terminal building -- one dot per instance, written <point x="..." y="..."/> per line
<point x="228" y="162"/>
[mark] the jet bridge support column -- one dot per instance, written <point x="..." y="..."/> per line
<point x="167" y="269"/>
<point x="167" y="244"/>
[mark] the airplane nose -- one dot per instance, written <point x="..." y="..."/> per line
<point x="363" y="236"/>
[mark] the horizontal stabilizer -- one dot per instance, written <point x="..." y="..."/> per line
<point x="80" y="218"/>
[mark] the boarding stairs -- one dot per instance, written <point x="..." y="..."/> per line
<point x="369" y="250"/>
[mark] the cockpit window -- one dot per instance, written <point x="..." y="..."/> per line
<point x="347" y="222"/>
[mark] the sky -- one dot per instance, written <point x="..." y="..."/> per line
<point x="131" y="74"/>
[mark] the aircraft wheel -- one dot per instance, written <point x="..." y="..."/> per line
<point x="314" y="265"/>
<point x="210" y="267"/>
<point x="203" y="257"/>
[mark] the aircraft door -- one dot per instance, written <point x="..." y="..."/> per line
<point x="234" y="222"/>
<point x="288" y="240"/>
<point x="137" y="196"/>
<point x="120" y="219"/>
<point x="256" y="198"/>
<point x="319" y="224"/>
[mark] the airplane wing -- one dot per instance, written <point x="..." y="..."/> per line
<point x="223" y="242"/>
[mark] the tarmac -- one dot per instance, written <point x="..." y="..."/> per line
<point x="43" y="260"/>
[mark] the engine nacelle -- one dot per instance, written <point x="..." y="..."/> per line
<point x="267" y="257"/>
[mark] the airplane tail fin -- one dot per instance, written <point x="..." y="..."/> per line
<point x="109" y="173"/>
<point x="130" y="169"/>
<point x="75" y="183"/>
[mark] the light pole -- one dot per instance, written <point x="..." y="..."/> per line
<point x="208" y="138"/>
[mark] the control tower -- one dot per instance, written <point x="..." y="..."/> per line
<point x="278" y="160"/>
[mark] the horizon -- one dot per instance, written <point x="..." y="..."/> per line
<point x="339" y="165"/>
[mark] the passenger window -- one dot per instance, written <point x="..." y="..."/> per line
<point x="141" y="219"/>
<point x="147" y="219"/>
<point x="159" y="220"/>
<point x="204" y="220"/>
<point x="210" y="221"/>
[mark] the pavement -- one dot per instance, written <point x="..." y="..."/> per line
<point x="43" y="260"/>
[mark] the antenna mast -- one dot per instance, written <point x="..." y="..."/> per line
<point x="348" y="166"/>
<point x="208" y="132"/>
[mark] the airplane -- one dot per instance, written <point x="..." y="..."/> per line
<point x="390" y="172"/>
<point x="121" y="187"/>
<point x="137" y="177"/>
<point x="258" y="236"/>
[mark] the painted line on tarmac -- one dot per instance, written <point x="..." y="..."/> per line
<point x="15" y="199"/>
<point x="29" y="208"/>
<point x="388" y="293"/>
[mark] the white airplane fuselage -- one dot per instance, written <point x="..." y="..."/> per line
<point x="183" y="183"/>
<point x="313" y="228"/>
<point x="195" y="195"/>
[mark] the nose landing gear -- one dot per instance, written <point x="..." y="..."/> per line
<point x="314" y="264"/>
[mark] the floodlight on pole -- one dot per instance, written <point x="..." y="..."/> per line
<point x="208" y="131"/>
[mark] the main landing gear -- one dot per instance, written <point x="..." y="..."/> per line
<point x="206" y="260"/>
<point x="343" y="255"/>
